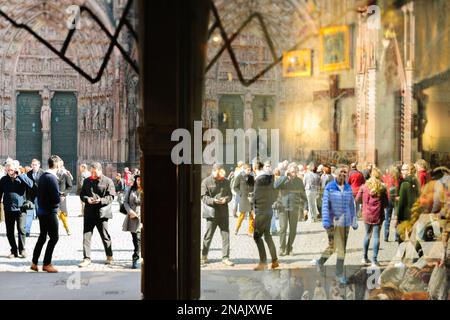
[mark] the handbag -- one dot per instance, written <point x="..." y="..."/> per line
<point x="122" y="204"/>
<point x="105" y="211"/>
<point x="208" y="212"/>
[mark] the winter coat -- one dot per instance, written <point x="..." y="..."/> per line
<point x="423" y="177"/>
<point x="242" y="188"/>
<point x="13" y="191"/>
<point x="103" y="189"/>
<point x="213" y="189"/>
<point x="264" y="194"/>
<point x="373" y="205"/>
<point x="48" y="196"/>
<point x="293" y="194"/>
<point x="132" y="201"/>
<point x="409" y="193"/>
<point x="32" y="193"/>
<point x="356" y="180"/>
<point x="338" y="207"/>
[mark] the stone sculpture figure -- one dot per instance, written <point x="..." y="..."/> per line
<point x="82" y="120"/>
<point x="95" y="117"/>
<point x="46" y="117"/>
<point x="7" y="118"/>
<point x="109" y="119"/>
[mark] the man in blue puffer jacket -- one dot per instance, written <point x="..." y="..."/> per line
<point x="12" y="192"/>
<point x="338" y="212"/>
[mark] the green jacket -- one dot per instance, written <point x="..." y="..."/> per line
<point x="409" y="193"/>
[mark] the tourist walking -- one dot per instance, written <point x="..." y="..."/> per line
<point x="13" y="187"/>
<point x="338" y="209"/>
<point x="264" y="197"/>
<point x="98" y="194"/>
<point x="373" y="196"/>
<point x="34" y="174"/>
<point x="132" y="222"/>
<point x="48" y="197"/>
<point x="215" y="196"/>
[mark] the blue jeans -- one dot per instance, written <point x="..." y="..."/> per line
<point x="375" y="229"/>
<point x="31" y="215"/>
<point x="273" y="223"/>
<point x="387" y="220"/>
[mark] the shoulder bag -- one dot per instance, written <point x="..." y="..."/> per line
<point x="208" y="212"/>
<point x="106" y="211"/>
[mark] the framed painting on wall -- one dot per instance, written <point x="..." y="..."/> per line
<point x="297" y="63"/>
<point x="335" y="48"/>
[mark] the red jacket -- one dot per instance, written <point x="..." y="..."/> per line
<point x="373" y="206"/>
<point x="356" y="180"/>
<point x="424" y="177"/>
<point x="127" y="178"/>
<point x="390" y="182"/>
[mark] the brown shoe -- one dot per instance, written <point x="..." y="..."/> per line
<point x="109" y="260"/>
<point x="49" y="269"/>
<point x="260" y="267"/>
<point x="34" y="267"/>
<point x="275" y="264"/>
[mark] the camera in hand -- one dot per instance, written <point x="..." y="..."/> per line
<point x="27" y="205"/>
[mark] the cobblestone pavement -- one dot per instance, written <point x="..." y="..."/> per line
<point x="119" y="285"/>
<point x="69" y="249"/>
<point x="309" y="244"/>
<point x="241" y="282"/>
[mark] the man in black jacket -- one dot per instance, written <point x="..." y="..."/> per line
<point x="293" y="196"/>
<point x="48" y="199"/>
<point x="216" y="193"/>
<point x="263" y="199"/>
<point x="34" y="174"/>
<point x="12" y="190"/>
<point x="97" y="192"/>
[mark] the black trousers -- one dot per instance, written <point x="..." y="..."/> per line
<point x="137" y="245"/>
<point x="11" y="218"/>
<point x="262" y="229"/>
<point x="49" y="226"/>
<point x="88" y="228"/>
<point x="211" y="226"/>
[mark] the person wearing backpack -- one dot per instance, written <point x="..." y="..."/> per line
<point x="408" y="194"/>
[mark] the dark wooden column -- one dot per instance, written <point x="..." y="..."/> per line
<point x="172" y="40"/>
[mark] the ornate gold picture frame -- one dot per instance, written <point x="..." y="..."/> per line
<point x="297" y="63"/>
<point x="335" y="48"/>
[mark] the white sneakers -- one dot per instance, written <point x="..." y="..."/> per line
<point x="85" y="263"/>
